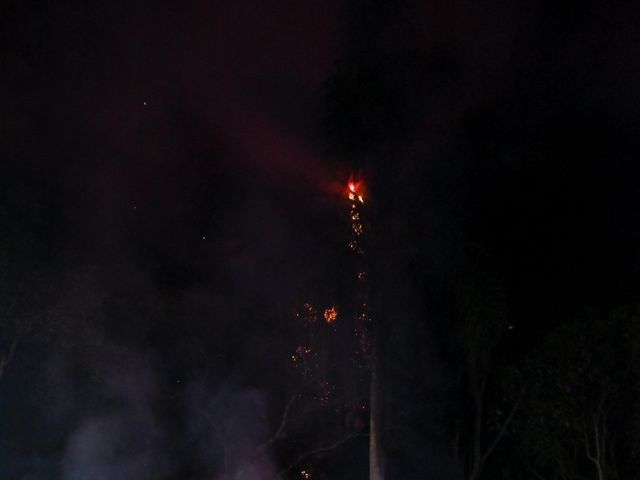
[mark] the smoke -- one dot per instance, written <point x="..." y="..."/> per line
<point x="127" y="410"/>
<point x="124" y="439"/>
<point x="230" y="428"/>
<point x="128" y="437"/>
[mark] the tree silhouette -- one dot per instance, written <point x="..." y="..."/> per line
<point x="477" y="424"/>
<point x="580" y="392"/>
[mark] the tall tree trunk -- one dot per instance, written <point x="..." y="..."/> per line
<point x="376" y="469"/>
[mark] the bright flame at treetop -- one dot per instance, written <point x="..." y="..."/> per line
<point x="355" y="190"/>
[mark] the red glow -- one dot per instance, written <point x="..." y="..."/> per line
<point x="355" y="186"/>
<point x="355" y="190"/>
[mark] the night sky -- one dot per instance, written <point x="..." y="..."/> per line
<point x="173" y="187"/>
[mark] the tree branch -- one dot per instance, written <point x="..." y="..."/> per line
<point x="503" y="429"/>
<point x="6" y="359"/>
<point x="284" y="421"/>
<point x="315" y="451"/>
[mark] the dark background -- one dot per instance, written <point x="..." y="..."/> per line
<point x="172" y="184"/>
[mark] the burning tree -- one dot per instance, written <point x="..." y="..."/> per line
<point x="329" y="403"/>
<point x="367" y="351"/>
<point x="336" y="364"/>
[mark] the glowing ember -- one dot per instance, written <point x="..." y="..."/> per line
<point x="325" y="392"/>
<point x="301" y="353"/>
<point x="308" y="313"/>
<point x="331" y="314"/>
<point x="355" y="190"/>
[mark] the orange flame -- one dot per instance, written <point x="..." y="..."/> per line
<point x="355" y="190"/>
<point x="331" y="314"/>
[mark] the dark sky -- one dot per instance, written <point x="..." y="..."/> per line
<point x="170" y="184"/>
